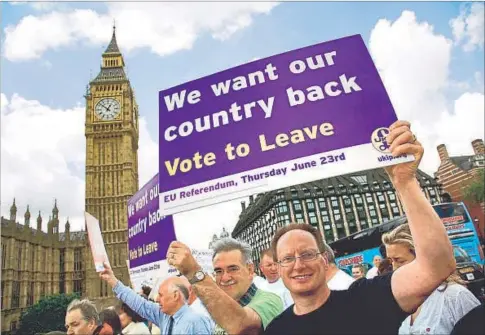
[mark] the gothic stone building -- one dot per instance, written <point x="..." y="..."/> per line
<point x="37" y="263"/>
<point x="111" y="162"/>
<point x="337" y="206"/>
<point x="222" y="235"/>
<point x="456" y="172"/>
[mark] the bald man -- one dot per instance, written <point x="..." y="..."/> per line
<point x="171" y="314"/>
<point x="375" y="270"/>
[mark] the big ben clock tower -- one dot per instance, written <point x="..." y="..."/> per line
<point x="111" y="162"/>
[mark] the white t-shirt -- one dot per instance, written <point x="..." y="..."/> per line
<point x="257" y="280"/>
<point x="372" y="273"/>
<point x="340" y="281"/>
<point x="441" y="311"/>
<point x="278" y="288"/>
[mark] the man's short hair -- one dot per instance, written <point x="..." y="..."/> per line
<point x="297" y="226"/>
<point x="183" y="289"/>
<point x="230" y="244"/>
<point x="87" y="308"/>
<point x="329" y="253"/>
<point x="266" y="252"/>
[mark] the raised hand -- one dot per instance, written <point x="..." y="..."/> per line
<point x="180" y="257"/>
<point x="108" y="276"/>
<point x="403" y="141"/>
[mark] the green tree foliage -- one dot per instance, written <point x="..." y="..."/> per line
<point x="46" y="315"/>
<point x="475" y="191"/>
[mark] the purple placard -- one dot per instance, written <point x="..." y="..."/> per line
<point x="325" y="97"/>
<point x="149" y="233"/>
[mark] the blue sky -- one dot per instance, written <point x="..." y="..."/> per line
<point x="443" y="64"/>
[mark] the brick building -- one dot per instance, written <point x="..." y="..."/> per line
<point x="455" y="173"/>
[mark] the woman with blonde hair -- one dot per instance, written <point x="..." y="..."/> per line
<point x="445" y="306"/>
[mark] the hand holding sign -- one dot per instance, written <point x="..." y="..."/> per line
<point x="181" y="258"/>
<point x="108" y="276"/>
<point x="403" y="141"/>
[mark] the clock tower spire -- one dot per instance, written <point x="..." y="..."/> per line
<point x="111" y="131"/>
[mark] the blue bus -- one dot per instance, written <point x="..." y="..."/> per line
<point x="461" y="229"/>
<point x="361" y="247"/>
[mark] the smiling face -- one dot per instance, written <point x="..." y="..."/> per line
<point x="269" y="268"/>
<point x="357" y="273"/>
<point x="232" y="274"/>
<point x="301" y="278"/>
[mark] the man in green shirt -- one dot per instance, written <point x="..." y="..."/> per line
<point x="234" y="302"/>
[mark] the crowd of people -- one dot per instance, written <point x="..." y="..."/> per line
<point x="413" y="290"/>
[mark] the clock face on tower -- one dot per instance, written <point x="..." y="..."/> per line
<point x="107" y="109"/>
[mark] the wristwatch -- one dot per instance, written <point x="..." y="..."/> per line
<point x="198" y="276"/>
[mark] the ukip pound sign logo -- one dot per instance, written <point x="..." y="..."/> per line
<point x="379" y="140"/>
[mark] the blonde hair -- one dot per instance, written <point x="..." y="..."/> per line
<point x="402" y="235"/>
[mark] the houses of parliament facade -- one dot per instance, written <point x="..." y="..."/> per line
<point x="36" y="263"/>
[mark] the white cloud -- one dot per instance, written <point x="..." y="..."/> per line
<point x="196" y="227"/>
<point x="468" y="27"/>
<point x="164" y="27"/>
<point x="3" y="104"/>
<point x="414" y="63"/>
<point x="39" y="147"/>
<point x="466" y="124"/>
<point x="147" y="154"/>
<point x="34" y="35"/>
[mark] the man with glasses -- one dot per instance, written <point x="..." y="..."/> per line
<point x="300" y="251"/>
<point x="233" y="301"/>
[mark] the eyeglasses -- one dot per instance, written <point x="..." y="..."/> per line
<point x="230" y="271"/>
<point x="306" y="256"/>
